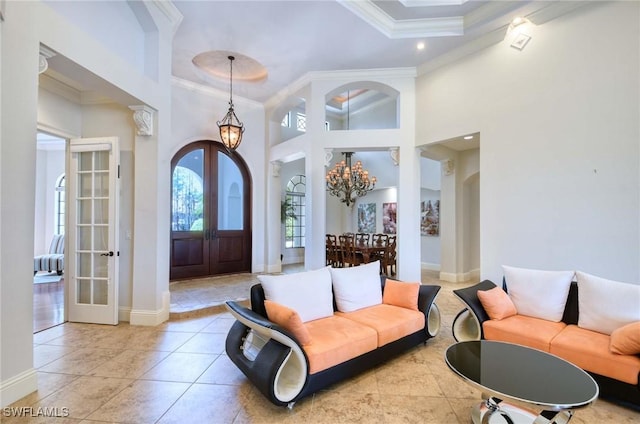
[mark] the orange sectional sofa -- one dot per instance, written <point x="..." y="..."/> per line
<point x="591" y="343"/>
<point x="288" y="352"/>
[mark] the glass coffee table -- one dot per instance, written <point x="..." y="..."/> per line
<point x="524" y="375"/>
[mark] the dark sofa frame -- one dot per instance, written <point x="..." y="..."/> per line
<point x="280" y="367"/>
<point x="467" y="325"/>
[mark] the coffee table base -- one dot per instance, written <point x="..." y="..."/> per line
<point x="495" y="411"/>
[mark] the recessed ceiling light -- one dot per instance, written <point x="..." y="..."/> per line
<point x="468" y="137"/>
<point x="420" y="45"/>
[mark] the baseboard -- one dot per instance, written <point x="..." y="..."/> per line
<point x="124" y="314"/>
<point x="430" y="267"/>
<point x="450" y="277"/>
<point x="460" y="277"/>
<point x="18" y="387"/>
<point x="151" y="317"/>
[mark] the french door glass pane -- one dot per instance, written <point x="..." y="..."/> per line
<point x="92" y="228"/>
<point x="230" y="189"/>
<point x="188" y="192"/>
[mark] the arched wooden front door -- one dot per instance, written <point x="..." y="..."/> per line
<point x="210" y="212"/>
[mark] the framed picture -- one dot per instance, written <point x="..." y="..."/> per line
<point x="389" y="218"/>
<point x="430" y="218"/>
<point x="367" y="218"/>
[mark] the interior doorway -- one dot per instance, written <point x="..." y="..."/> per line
<point x="49" y="220"/>
<point x="210" y="212"/>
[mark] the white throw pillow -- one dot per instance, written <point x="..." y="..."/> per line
<point x="537" y="293"/>
<point x="604" y="305"/>
<point x="357" y="287"/>
<point x="308" y="293"/>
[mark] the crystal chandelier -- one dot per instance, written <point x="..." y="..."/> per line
<point x="231" y="128"/>
<point x="349" y="183"/>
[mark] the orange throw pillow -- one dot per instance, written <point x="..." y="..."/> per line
<point x="399" y="293"/>
<point x="497" y="303"/>
<point x="288" y="319"/>
<point x="625" y="340"/>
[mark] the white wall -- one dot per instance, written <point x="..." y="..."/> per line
<point x="560" y="155"/>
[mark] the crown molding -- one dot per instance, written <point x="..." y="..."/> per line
<point x="428" y="3"/>
<point x="56" y="87"/>
<point x="409" y="28"/>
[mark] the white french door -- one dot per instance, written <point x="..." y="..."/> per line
<point x="92" y="265"/>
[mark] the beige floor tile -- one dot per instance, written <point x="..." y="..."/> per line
<point x="223" y="371"/>
<point x="205" y="403"/>
<point x="141" y="402"/>
<point x="181" y="367"/>
<point x="44" y="354"/>
<point x="129" y="364"/>
<point x="343" y="407"/>
<point x="416" y="409"/>
<point x="220" y="325"/>
<point x="187" y="325"/>
<point x="160" y="340"/>
<point x="85" y="395"/>
<point x="81" y="361"/>
<point x="205" y="343"/>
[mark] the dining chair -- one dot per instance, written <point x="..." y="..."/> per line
<point x="363" y="238"/>
<point x="333" y="254"/>
<point x="348" y="249"/>
<point x="380" y="242"/>
<point x="389" y="257"/>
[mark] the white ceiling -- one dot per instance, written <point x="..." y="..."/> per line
<point x="292" y="38"/>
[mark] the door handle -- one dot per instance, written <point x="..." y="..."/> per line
<point x="107" y="254"/>
<point x="206" y="234"/>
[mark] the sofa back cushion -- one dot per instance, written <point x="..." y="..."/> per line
<point x="357" y="287"/>
<point x="308" y="293"/>
<point x="538" y="293"/>
<point x="605" y="305"/>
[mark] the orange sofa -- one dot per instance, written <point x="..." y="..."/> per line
<point x="618" y="375"/>
<point x="291" y="359"/>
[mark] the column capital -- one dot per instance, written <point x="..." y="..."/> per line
<point x="394" y="152"/>
<point x="143" y="118"/>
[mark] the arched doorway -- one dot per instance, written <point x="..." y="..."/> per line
<point x="210" y="212"/>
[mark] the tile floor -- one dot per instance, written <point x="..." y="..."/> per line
<point x="178" y="373"/>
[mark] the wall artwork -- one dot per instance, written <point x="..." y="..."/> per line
<point x="367" y="218"/>
<point x="389" y="218"/>
<point x="430" y="218"/>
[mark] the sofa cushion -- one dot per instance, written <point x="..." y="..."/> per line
<point x="605" y="305"/>
<point x="590" y="351"/>
<point x="308" y="293"/>
<point x="399" y="293"/>
<point x="336" y="340"/>
<point x="497" y="303"/>
<point x="538" y="294"/>
<point x="626" y="339"/>
<point x="523" y="330"/>
<point x="288" y="319"/>
<point x="357" y="287"/>
<point x="390" y="322"/>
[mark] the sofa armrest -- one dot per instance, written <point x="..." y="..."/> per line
<point x="468" y="323"/>
<point x="267" y="354"/>
<point x="426" y="304"/>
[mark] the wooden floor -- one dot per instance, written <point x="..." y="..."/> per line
<point x="48" y="305"/>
